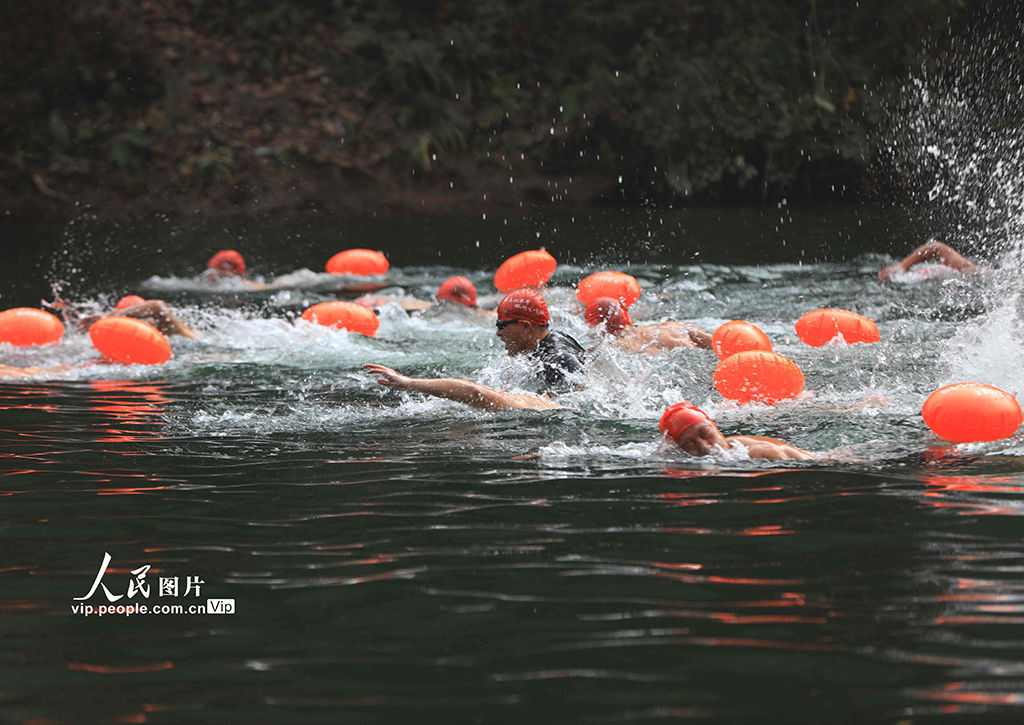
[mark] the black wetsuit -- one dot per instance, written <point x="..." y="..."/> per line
<point x="561" y="357"/>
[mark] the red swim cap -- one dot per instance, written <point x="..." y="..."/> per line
<point x="524" y="305"/>
<point x="128" y="301"/>
<point x="679" y="417"/>
<point x="608" y="311"/>
<point x="458" y="289"/>
<point x="227" y="260"/>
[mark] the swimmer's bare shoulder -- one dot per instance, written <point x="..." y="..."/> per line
<point x="771" y="449"/>
<point x="662" y="337"/>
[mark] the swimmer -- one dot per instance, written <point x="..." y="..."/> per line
<point x="523" y="325"/>
<point x="692" y="430"/>
<point x="648" y="339"/>
<point x="931" y="251"/>
<point x="454" y="293"/>
<point x="460" y="291"/>
<point x="156" y="312"/>
<point x="228" y="264"/>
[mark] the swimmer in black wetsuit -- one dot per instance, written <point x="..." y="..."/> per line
<point x="523" y="327"/>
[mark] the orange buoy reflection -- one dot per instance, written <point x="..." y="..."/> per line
<point x="126" y="403"/>
<point x="972" y="495"/>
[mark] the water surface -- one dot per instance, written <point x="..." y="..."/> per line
<point x="392" y="556"/>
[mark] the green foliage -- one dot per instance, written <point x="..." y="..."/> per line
<point x="702" y="99"/>
<point x="208" y="168"/>
<point x="129" y="149"/>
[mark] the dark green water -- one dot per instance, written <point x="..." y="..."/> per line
<point x="393" y="558"/>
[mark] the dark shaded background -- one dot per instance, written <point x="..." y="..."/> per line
<point x="186" y="106"/>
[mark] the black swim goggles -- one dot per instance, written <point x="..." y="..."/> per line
<point x="502" y="324"/>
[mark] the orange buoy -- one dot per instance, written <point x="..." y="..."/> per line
<point x="616" y="285"/>
<point x="129" y="301"/>
<point x="527" y="269"/>
<point x="127" y="340"/>
<point x="737" y="336"/>
<point x="28" y="326"/>
<point x="343" y="316"/>
<point x="758" y="375"/>
<point x="819" y="327"/>
<point x="361" y="262"/>
<point x="969" y="412"/>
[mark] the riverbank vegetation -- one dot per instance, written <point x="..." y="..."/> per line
<point x="133" y="106"/>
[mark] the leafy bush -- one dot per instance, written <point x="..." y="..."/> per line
<point x="700" y="99"/>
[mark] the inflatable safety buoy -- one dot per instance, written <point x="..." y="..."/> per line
<point x="360" y="262"/>
<point x="127" y="340"/>
<point x="616" y="285"/>
<point x="752" y="375"/>
<point x="820" y="327"/>
<point x="969" y="412"/>
<point x="343" y="316"/>
<point x="738" y="336"/>
<point x="527" y="269"/>
<point x="28" y="326"/>
<point x="129" y="301"/>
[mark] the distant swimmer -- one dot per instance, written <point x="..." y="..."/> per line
<point x="456" y="293"/>
<point x="523" y="325"/>
<point x="156" y="312"/>
<point x="692" y="430"/>
<point x="932" y="251"/>
<point x="228" y="264"/>
<point x="648" y="339"/>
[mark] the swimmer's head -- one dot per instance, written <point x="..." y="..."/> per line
<point x="128" y="301"/>
<point x="691" y="429"/>
<point x="458" y="289"/>
<point x="228" y="261"/>
<point x="524" y="305"/>
<point x="522" y="320"/>
<point x="609" y="312"/>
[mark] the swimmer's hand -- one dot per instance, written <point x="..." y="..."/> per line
<point x="389" y="377"/>
<point x="886" y="272"/>
<point x="82" y="324"/>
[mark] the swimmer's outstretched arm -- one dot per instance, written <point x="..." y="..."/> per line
<point x="929" y="251"/>
<point x="159" y="314"/>
<point x="700" y="338"/>
<point x="156" y="312"/>
<point x="461" y="391"/>
<point x="12" y="371"/>
<point x="771" y="449"/>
